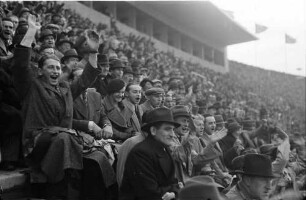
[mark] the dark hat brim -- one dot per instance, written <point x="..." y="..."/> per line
<point x="146" y="126"/>
<point x="70" y="56"/>
<point x="257" y="174"/>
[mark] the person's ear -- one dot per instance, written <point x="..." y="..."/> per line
<point x="153" y="130"/>
<point x="39" y="72"/>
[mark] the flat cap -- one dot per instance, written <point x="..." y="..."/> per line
<point x="154" y="90"/>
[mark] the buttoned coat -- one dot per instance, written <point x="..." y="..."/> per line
<point x="149" y="172"/>
<point x="91" y="111"/>
<point x="134" y="120"/>
<point x="120" y="120"/>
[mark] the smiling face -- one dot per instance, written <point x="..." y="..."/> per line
<point x="118" y="96"/>
<point x="49" y="40"/>
<point x="51" y="71"/>
<point x="64" y="47"/>
<point x="184" y="128"/>
<point x="7" y="29"/>
<point x="163" y="133"/>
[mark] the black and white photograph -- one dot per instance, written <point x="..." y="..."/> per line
<point x="153" y="100"/>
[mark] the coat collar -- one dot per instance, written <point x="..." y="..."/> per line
<point x="80" y="105"/>
<point x="62" y="87"/>
<point x="128" y="104"/>
<point x="163" y="155"/>
<point x="3" y="46"/>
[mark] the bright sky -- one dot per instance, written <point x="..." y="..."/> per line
<point x="270" y="51"/>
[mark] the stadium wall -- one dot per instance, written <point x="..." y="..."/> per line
<point x="98" y="17"/>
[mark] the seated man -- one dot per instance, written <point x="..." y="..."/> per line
<point x="154" y="98"/>
<point x="256" y="178"/>
<point x="98" y="174"/>
<point x="149" y="170"/>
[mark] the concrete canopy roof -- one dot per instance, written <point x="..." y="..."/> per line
<point x="200" y="20"/>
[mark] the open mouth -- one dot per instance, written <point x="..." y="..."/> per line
<point x="54" y="77"/>
<point x="185" y="129"/>
<point x="7" y="33"/>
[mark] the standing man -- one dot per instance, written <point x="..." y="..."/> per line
<point x="149" y="171"/>
<point x="133" y="96"/>
<point x="5" y="38"/>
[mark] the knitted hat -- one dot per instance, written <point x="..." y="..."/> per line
<point x="115" y="85"/>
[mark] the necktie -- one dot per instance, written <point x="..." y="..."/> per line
<point x="84" y="97"/>
<point x="137" y="113"/>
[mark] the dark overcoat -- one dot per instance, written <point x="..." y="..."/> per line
<point x="91" y="111"/>
<point x="120" y="120"/>
<point x="149" y="172"/>
<point x="46" y="106"/>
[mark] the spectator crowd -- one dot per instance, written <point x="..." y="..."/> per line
<point x="94" y="113"/>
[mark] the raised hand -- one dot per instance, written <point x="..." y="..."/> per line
<point x="92" y="41"/>
<point x="218" y="135"/>
<point x="30" y="35"/>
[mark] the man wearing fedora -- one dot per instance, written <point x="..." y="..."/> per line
<point x="69" y="62"/>
<point x="149" y="170"/>
<point x="101" y="83"/>
<point x="48" y="38"/>
<point x="255" y="178"/>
